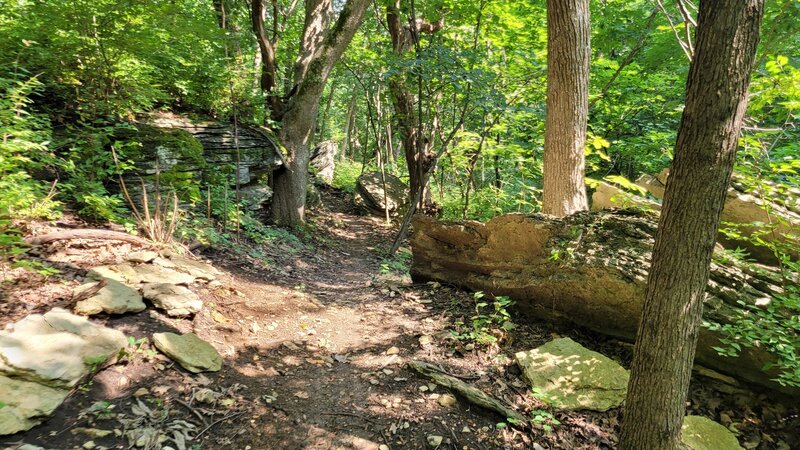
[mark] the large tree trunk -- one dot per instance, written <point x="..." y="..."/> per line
<point x="589" y="268"/>
<point x="716" y="100"/>
<point x="321" y="47"/>
<point x="568" y="54"/>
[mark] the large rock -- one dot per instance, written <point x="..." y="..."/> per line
<point x="23" y="404"/>
<point x="573" y="377"/>
<point x="56" y="349"/>
<point x="590" y="269"/>
<point x="114" y="298"/>
<point x="371" y="197"/>
<point x="197" y="269"/>
<point x="608" y="196"/>
<point x="323" y="160"/>
<point x="188" y="350"/>
<point x="143" y="273"/>
<point x="751" y="212"/>
<point x="701" y="433"/>
<point x="256" y="196"/>
<point x="176" y="301"/>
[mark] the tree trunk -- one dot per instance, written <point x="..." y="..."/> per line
<point x="568" y="54"/>
<point x="716" y="99"/>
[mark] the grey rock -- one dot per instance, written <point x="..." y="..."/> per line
<point x="142" y="273"/>
<point x="114" y="298"/>
<point x="23" y="404"/>
<point x="323" y="160"/>
<point x="56" y="349"/>
<point x="369" y="195"/>
<point x="573" y="377"/>
<point x="256" y="196"/>
<point x="188" y="350"/>
<point x="143" y="256"/>
<point x="197" y="269"/>
<point x="175" y="300"/>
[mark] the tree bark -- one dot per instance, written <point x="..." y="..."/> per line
<point x="568" y="54"/>
<point x="321" y="48"/>
<point x="716" y="100"/>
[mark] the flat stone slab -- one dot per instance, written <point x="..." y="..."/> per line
<point x="702" y="433"/>
<point x="142" y="256"/>
<point x="56" y="349"/>
<point x="176" y="301"/>
<point x="23" y="404"/>
<point x="114" y="298"/>
<point x="197" y="269"/>
<point x="573" y="377"/>
<point x="188" y="350"/>
<point x="143" y="273"/>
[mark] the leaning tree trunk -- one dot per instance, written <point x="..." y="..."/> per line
<point x="716" y="100"/>
<point x="589" y="268"/>
<point x="568" y="53"/>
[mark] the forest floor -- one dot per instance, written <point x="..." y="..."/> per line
<point x="315" y="339"/>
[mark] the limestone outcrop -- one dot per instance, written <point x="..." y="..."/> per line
<point x="589" y="268"/>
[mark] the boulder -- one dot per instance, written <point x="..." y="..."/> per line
<point x="371" y="197"/>
<point x="323" y="160"/>
<point x="701" y="433"/>
<point x="608" y="196"/>
<point x="113" y="298"/>
<point x="590" y="268"/>
<point x="176" y="301"/>
<point x="749" y="210"/>
<point x="188" y="350"/>
<point x="57" y="349"/>
<point x="572" y="377"/>
<point x="23" y="404"/>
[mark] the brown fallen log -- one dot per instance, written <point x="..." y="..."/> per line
<point x="590" y="269"/>
<point x="88" y="233"/>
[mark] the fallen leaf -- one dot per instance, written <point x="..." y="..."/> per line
<point x="219" y="317"/>
<point x="302" y="394"/>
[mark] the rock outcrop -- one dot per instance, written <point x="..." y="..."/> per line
<point x="588" y="268"/>
<point x="752" y="213"/>
<point x="572" y="377"/>
<point x="371" y="197"/>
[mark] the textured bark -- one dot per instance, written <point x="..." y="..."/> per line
<point x="322" y="46"/>
<point x="568" y="53"/>
<point x="716" y="100"/>
<point x="417" y="148"/>
<point x="589" y="268"/>
<point x="266" y="46"/>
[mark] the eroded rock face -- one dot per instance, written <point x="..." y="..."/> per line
<point x="588" y="268"/>
<point x="176" y="301"/>
<point x="323" y="160"/>
<point x="574" y="377"/>
<point x="26" y="403"/>
<point x="56" y="349"/>
<point x="745" y="208"/>
<point x="188" y="350"/>
<point x="369" y="194"/>
<point x="114" y="298"/>
<point x="701" y="433"/>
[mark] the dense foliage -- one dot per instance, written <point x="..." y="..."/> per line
<point x="74" y="74"/>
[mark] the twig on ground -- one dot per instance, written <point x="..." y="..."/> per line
<point x="216" y="422"/>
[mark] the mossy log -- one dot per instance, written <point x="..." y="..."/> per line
<point x="590" y="269"/>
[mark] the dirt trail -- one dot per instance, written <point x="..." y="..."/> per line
<point x="315" y="347"/>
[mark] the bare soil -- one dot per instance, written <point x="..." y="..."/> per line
<point x="315" y="341"/>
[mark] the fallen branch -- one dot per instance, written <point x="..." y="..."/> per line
<point x="87" y="234"/>
<point x="469" y="392"/>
